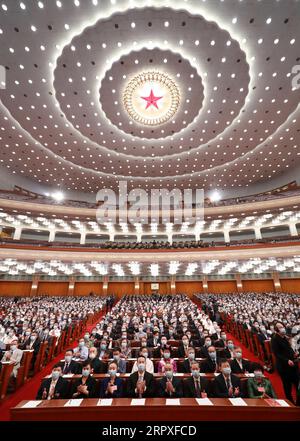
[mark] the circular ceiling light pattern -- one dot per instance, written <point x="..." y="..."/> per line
<point x="127" y="85"/>
<point x="151" y="98"/>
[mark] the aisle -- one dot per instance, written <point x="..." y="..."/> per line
<point x="274" y="378"/>
<point x="29" y="390"/>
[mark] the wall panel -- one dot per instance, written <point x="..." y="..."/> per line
<point x="264" y="285"/>
<point x="290" y="285"/>
<point x="53" y="288"/>
<point x="21" y="289"/>
<point x="120" y="288"/>
<point x="85" y="288"/>
<point x="189" y="288"/>
<point x="222" y="286"/>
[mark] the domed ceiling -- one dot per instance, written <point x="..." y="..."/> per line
<point x="200" y="94"/>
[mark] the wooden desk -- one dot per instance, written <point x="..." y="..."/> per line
<point x="6" y="371"/>
<point x="155" y="409"/>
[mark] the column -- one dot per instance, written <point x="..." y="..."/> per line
<point x="257" y="233"/>
<point x="105" y="285"/>
<point x="111" y="237"/>
<point x="170" y="238"/>
<point x="173" y="285"/>
<point x="276" y="281"/>
<point x="226" y="236"/>
<point x="17" y="233"/>
<point x="204" y="283"/>
<point x="239" y="283"/>
<point x="293" y="230"/>
<point x="82" y="237"/>
<point x="51" y="236"/>
<point x="71" y="286"/>
<point x="197" y="236"/>
<point x="136" y="285"/>
<point x="34" y="286"/>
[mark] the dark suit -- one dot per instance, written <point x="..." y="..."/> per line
<point x="283" y="353"/>
<point x="117" y="393"/>
<point x="209" y="366"/>
<point x="220" y="389"/>
<point x="181" y="351"/>
<point x="98" y="366"/>
<point x="225" y="353"/>
<point x="60" y="390"/>
<point x="236" y="369"/>
<point x="35" y="346"/>
<point x="177" y="384"/>
<point x="186" y="366"/>
<point x="72" y="368"/>
<point x="150" y="385"/>
<point x="190" y="389"/>
<point x="91" y="386"/>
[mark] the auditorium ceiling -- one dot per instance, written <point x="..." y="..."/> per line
<point x="193" y="93"/>
<point x="98" y="268"/>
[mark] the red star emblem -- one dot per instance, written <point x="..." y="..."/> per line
<point x="151" y="99"/>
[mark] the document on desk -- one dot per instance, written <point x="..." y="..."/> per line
<point x="238" y="402"/>
<point x="31" y="404"/>
<point x="105" y="402"/>
<point x="138" y="402"/>
<point x="172" y="402"/>
<point x="75" y="402"/>
<point x="282" y="403"/>
<point x="68" y="375"/>
<point x="204" y="402"/>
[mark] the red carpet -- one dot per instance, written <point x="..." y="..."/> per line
<point x="29" y="390"/>
<point x="274" y="378"/>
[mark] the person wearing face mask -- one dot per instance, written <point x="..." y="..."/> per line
<point x="34" y="343"/>
<point x="81" y="351"/>
<point x="170" y="386"/>
<point x="166" y="359"/>
<point x="53" y="388"/>
<point x="112" y="386"/>
<point x="9" y="337"/>
<point x="154" y="340"/>
<point x="210" y="364"/>
<point x="228" y="351"/>
<point x="149" y="363"/>
<point x="196" y="386"/>
<point x="13" y="356"/>
<point x="239" y="365"/>
<point x="260" y="386"/>
<point x="120" y="362"/>
<point x="125" y="348"/>
<point x="191" y="357"/>
<point x="184" y="347"/>
<point x="221" y="342"/>
<point x="103" y="349"/>
<point x="141" y="383"/>
<point x="226" y="384"/>
<point x="286" y="360"/>
<point x="204" y="348"/>
<point x="86" y="385"/>
<point x="98" y="366"/>
<point x="70" y="366"/>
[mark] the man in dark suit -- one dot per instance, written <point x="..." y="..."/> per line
<point x="239" y="365"/>
<point x="53" y="388"/>
<point x="32" y="343"/>
<point x="141" y="383"/>
<point x="196" y="386"/>
<point x="183" y="347"/>
<point x="226" y="385"/>
<point x="204" y="348"/>
<point x="187" y="364"/>
<point x="210" y="364"/>
<point x="98" y="366"/>
<point x="70" y="366"/>
<point x="228" y="350"/>
<point x="170" y="386"/>
<point x="286" y="360"/>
